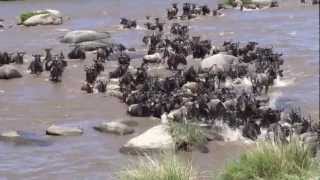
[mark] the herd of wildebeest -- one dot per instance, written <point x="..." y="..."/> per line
<point x="187" y="93"/>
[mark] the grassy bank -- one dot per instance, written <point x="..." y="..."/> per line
<point x="268" y="161"/>
<point x="169" y="167"/>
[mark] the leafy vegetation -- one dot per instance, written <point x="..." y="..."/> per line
<point x="271" y="161"/>
<point x="169" y="167"/>
<point x="232" y="2"/>
<point x="185" y="134"/>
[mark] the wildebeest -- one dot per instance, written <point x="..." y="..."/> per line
<point x="18" y="58"/>
<point x="175" y="59"/>
<point x="36" y="66"/>
<point x="128" y="23"/>
<point x="77" y="53"/>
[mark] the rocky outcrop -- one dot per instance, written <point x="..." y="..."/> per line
<point x="155" y="139"/>
<point x="9" y="72"/>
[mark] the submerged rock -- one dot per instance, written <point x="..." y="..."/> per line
<point x="23" y="138"/>
<point x="63" y="131"/>
<point x="114" y="128"/>
<point x="9" y="72"/>
<point x="83" y="36"/>
<point x="155" y="139"/>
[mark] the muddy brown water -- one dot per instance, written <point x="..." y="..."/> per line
<point x="32" y="103"/>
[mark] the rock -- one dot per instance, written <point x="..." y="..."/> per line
<point x="43" y="19"/>
<point x="93" y="45"/>
<point x="63" y="131"/>
<point x="156" y="139"/>
<point x="113" y="87"/>
<point x="193" y="86"/>
<point x="9" y="72"/>
<point x="261" y="2"/>
<point x="83" y="36"/>
<point x="152" y="58"/>
<point x="115" y="93"/>
<point x="114" y="128"/>
<point x="24" y="138"/>
<point x="222" y="61"/>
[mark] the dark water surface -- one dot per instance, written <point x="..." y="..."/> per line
<point x="32" y="103"/>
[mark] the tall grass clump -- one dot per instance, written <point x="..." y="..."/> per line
<point x="169" y="167"/>
<point x="270" y="161"/>
<point x="187" y="134"/>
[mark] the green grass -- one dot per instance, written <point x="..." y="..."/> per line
<point x="269" y="161"/>
<point x="169" y="167"/>
<point x="27" y="15"/>
<point x="187" y="133"/>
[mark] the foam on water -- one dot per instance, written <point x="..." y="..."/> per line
<point x="230" y="134"/>
<point x="279" y="82"/>
<point x="274" y="97"/>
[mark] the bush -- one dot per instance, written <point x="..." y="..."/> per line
<point x="169" y="167"/>
<point x="27" y="15"/>
<point x="271" y="161"/>
<point x="187" y="134"/>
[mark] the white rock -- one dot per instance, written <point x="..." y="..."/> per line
<point x="113" y="87"/>
<point x="157" y="138"/>
<point x="115" y="93"/>
<point x="9" y="72"/>
<point x="261" y="2"/>
<point x="152" y="58"/>
<point x="222" y="61"/>
<point x="10" y="134"/>
<point x="193" y="86"/>
<point x="43" y="19"/>
<point x="84" y="35"/>
<point x="63" y="131"/>
<point x="114" y="128"/>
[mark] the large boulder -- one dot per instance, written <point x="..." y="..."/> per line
<point x="156" y="139"/>
<point x="23" y="138"/>
<point x="83" y="36"/>
<point x="43" y="19"/>
<point x="63" y="131"/>
<point x="261" y="2"/>
<point x="222" y="61"/>
<point x="114" y="128"/>
<point x="93" y="45"/>
<point x="9" y="72"/>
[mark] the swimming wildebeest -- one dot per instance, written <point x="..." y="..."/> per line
<point x="36" y="66"/>
<point x="18" y="58"/>
<point x="172" y="12"/>
<point x="77" y="53"/>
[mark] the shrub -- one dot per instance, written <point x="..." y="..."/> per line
<point x="271" y="161"/>
<point x="169" y="167"/>
<point x="187" y="134"/>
